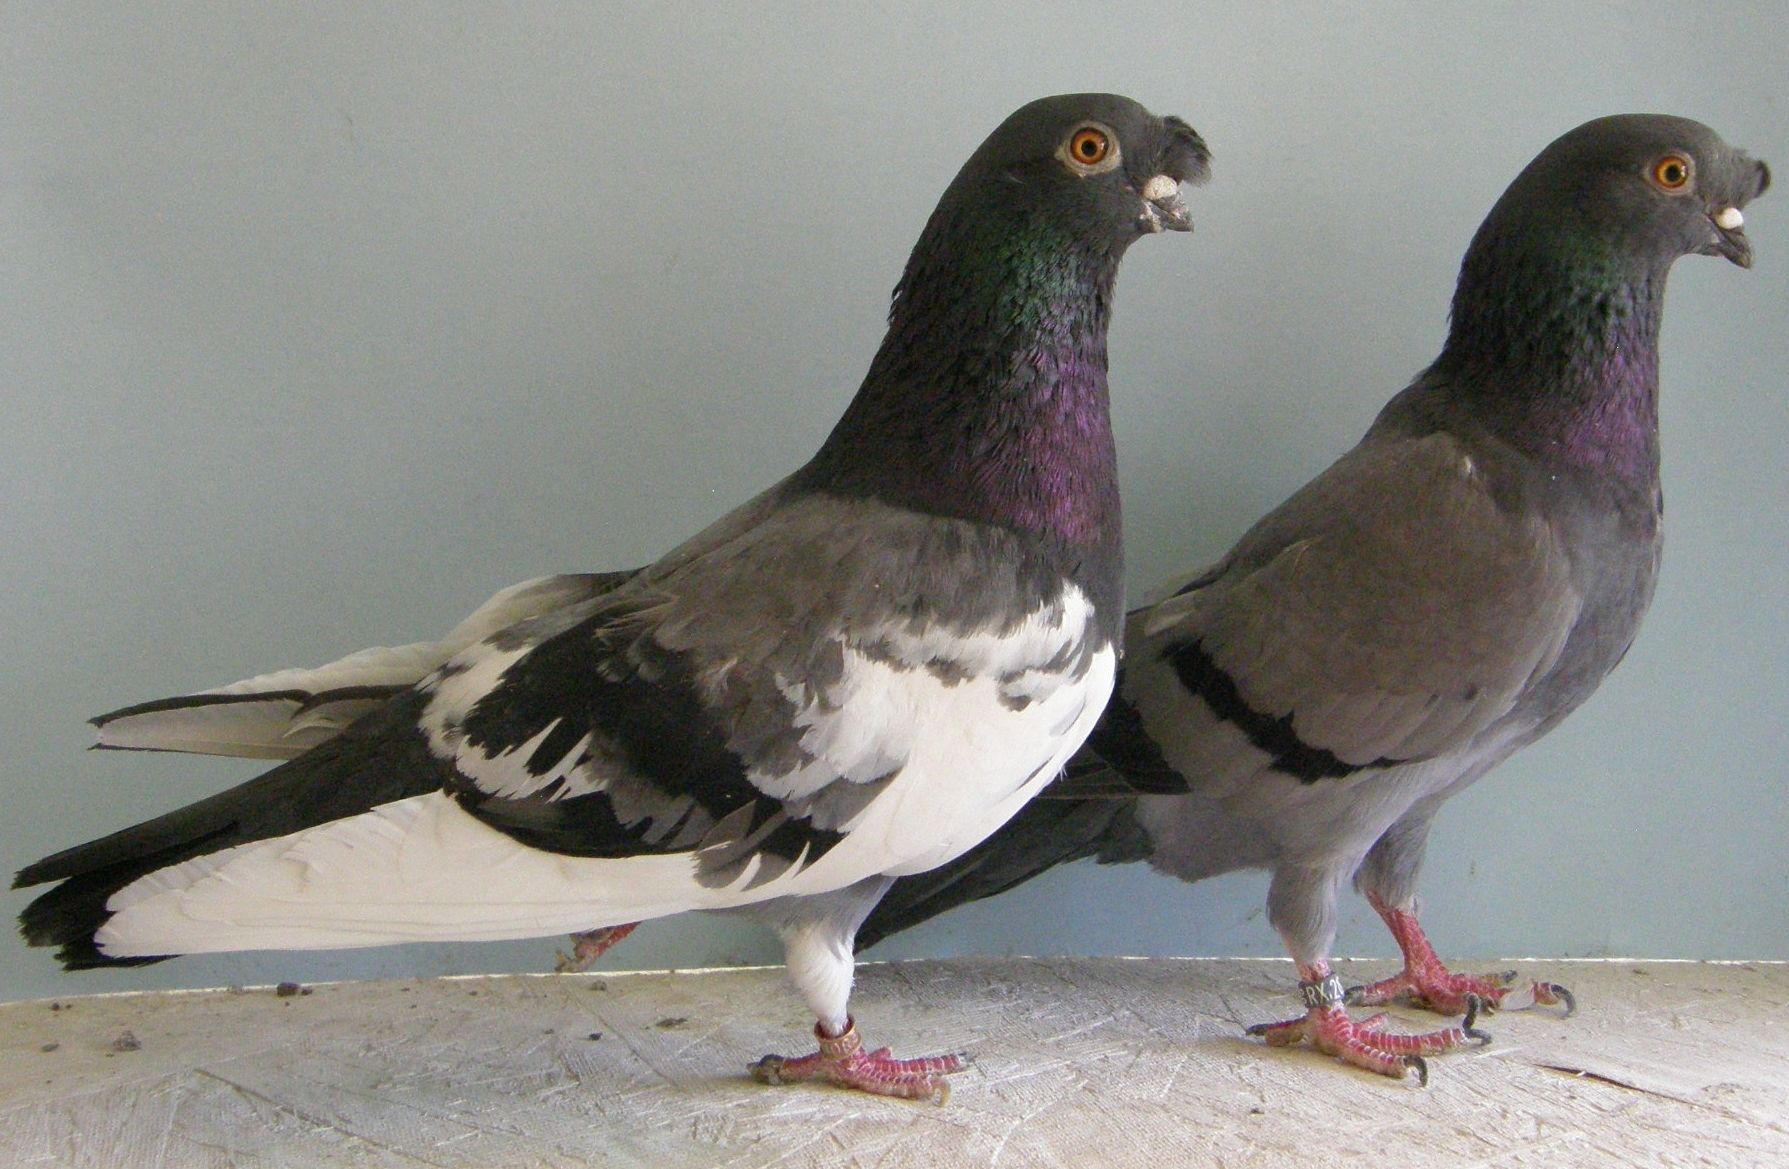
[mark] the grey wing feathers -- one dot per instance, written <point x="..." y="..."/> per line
<point x="1349" y="621"/>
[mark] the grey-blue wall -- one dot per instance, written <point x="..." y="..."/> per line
<point x="320" y="324"/>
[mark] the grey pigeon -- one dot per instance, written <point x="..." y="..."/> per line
<point x="858" y="674"/>
<point x="1441" y="596"/>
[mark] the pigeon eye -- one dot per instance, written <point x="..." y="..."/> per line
<point x="1090" y="150"/>
<point x="1089" y="146"/>
<point x="1671" y="173"/>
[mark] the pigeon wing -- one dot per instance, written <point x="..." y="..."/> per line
<point x="1392" y="610"/>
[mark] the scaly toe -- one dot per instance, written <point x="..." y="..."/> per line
<point x="1285" y="1033"/>
<point x="1381" y="993"/>
<point x="842" y="1061"/>
<point x="1446" y="993"/>
<point x="1368" y="1044"/>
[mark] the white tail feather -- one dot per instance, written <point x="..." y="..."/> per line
<point x="420" y="869"/>
<point x="290" y="720"/>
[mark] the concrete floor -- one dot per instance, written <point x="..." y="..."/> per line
<point x="1082" y="1062"/>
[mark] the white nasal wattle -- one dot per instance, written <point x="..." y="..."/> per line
<point x="1161" y="187"/>
<point x="1729" y="219"/>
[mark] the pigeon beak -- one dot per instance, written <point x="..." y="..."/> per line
<point x="1730" y="237"/>
<point x="1729" y="222"/>
<point x="1163" y="208"/>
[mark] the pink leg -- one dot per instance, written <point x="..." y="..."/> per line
<point x="588" y="947"/>
<point x="1366" y="1044"/>
<point x="1426" y="982"/>
<point x="842" y="1060"/>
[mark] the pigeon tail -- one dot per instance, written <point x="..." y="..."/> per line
<point x="344" y="776"/>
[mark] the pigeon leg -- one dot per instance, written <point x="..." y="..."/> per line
<point x="1426" y="982"/>
<point x="842" y="1060"/>
<point x="587" y="947"/>
<point x="1366" y="1044"/>
<point x="817" y="934"/>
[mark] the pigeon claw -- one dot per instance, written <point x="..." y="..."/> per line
<point x="1474" y="1005"/>
<point x="1367" y="1044"/>
<point x="842" y="1061"/>
<point x="1551" y="994"/>
<point x="1538" y="994"/>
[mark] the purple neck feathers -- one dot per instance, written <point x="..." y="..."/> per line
<point x="987" y="400"/>
<point x="1564" y="364"/>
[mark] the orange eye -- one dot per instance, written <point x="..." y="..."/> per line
<point x="1089" y="146"/>
<point x="1672" y="172"/>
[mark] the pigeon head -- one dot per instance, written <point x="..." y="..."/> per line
<point x="1570" y="265"/>
<point x="1641" y="188"/>
<point x="1041" y="214"/>
<point x="1598" y="218"/>
<point x="1092" y="167"/>
<point x="987" y="398"/>
<point x="1557" y="313"/>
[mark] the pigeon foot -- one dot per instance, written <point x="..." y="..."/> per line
<point x="588" y="947"/>
<point x="1426" y="982"/>
<point x="842" y="1060"/>
<point x="1435" y="988"/>
<point x="1367" y="1044"/>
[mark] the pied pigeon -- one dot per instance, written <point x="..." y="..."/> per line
<point x="857" y="675"/>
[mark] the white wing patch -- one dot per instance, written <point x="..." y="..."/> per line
<point x="506" y="774"/>
<point x="870" y="723"/>
<point x="455" y="690"/>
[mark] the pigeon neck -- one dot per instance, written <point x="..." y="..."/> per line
<point x="987" y="400"/>
<point x="1566" y="353"/>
